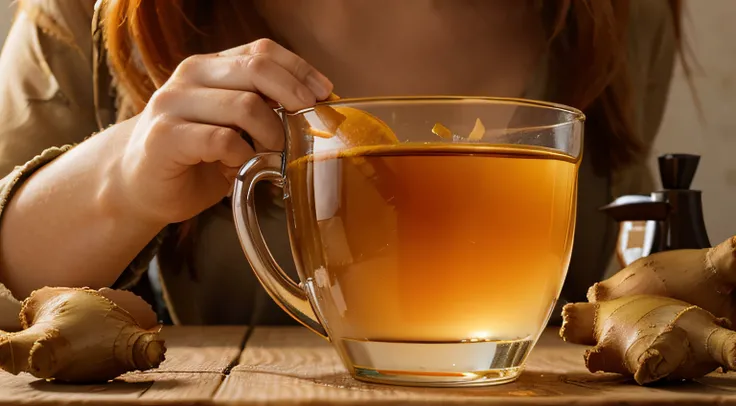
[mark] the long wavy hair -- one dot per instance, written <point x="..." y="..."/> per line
<point x="147" y="39"/>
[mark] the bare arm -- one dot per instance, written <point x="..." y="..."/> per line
<point x="68" y="224"/>
<point x="45" y="101"/>
<point x="81" y="218"/>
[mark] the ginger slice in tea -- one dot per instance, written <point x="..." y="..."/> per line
<point x="476" y="134"/>
<point x="479" y="130"/>
<point x="442" y="131"/>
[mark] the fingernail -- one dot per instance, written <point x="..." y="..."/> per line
<point x="320" y="85"/>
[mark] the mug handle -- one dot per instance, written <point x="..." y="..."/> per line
<point x="289" y="295"/>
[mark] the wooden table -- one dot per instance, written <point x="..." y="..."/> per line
<point x="289" y="365"/>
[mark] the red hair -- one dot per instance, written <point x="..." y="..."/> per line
<point x="588" y="39"/>
<point x="146" y="40"/>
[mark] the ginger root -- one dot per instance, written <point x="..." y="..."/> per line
<point x="665" y="316"/>
<point x="650" y="337"/>
<point x="82" y="336"/>
<point x="704" y="277"/>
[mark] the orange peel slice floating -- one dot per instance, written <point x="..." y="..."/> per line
<point x="329" y="117"/>
<point x="361" y="128"/>
<point x="319" y="133"/>
<point x="353" y="126"/>
<point x="356" y="128"/>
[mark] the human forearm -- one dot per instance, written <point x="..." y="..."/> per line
<point x="69" y="225"/>
<point x="82" y="218"/>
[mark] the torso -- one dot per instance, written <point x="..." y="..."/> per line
<point x="367" y="47"/>
<point x="386" y="47"/>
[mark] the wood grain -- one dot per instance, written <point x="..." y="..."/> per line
<point x="139" y="388"/>
<point x="290" y="365"/>
<point x="202" y="349"/>
<point x="175" y="388"/>
<point x="294" y="366"/>
<point x="197" y="359"/>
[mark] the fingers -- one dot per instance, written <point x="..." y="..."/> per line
<point x="253" y="73"/>
<point x="236" y="88"/>
<point x="226" y="108"/>
<point x="205" y="143"/>
<point x="262" y="66"/>
<point x="302" y="71"/>
<point x="298" y="67"/>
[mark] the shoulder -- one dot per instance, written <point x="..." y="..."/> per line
<point x="68" y="21"/>
<point x="45" y="79"/>
<point x="58" y="34"/>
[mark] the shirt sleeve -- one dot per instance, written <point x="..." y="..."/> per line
<point x="45" y="80"/>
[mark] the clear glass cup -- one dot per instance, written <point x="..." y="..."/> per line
<point x="427" y="254"/>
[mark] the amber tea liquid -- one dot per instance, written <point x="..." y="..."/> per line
<point x="441" y="246"/>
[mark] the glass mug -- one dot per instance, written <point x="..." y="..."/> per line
<point x="434" y="258"/>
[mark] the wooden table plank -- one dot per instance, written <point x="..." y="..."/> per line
<point x="202" y="349"/>
<point x="148" y="389"/>
<point x="294" y="366"/>
<point x="177" y="388"/>
<point x="196" y="361"/>
<point x="25" y="389"/>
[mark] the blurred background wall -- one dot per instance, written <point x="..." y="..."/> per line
<point x="711" y="32"/>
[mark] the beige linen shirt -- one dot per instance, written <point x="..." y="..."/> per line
<point x="56" y="90"/>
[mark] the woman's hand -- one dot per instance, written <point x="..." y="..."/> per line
<point x="186" y="145"/>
